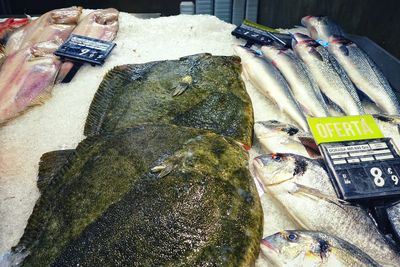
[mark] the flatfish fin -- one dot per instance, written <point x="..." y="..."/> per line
<point x="113" y="80"/>
<point x="50" y="164"/>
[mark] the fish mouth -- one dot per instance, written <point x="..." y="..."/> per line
<point x="267" y="244"/>
<point x="305" y="19"/>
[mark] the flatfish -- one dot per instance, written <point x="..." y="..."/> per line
<point x="151" y="195"/>
<point x="200" y="91"/>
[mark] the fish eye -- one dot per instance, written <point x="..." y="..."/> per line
<point x="292" y="237"/>
<point x="276" y="157"/>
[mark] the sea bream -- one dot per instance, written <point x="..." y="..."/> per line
<point x="54" y="25"/>
<point x="100" y="24"/>
<point x="26" y="78"/>
<point x="303" y="187"/>
<point x="270" y="82"/>
<point x="321" y="27"/>
<point x="364" y="73"/>
<point x="329" y="75"/>
<point x="278" y="137"/>
<point x="307" y="248"/>
<point x="301" y="83"/>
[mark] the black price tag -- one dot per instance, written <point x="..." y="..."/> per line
<point x="85" y="49"/>
<point x="258" y="34"/>
<point x="363" y="170"/>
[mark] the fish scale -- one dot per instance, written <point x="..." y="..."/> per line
<point x="364" y="74"/>
<point x="323" y="213"/>
<point x="303" y="87"/>
<point x="329" y="75"/>
<point x="270" y="82"/>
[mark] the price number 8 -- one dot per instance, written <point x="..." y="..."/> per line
<point x="378" y="179"/>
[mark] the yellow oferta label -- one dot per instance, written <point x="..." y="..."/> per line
<point x="349" y="128"/>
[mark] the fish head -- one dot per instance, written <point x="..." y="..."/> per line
<point x="247" y="57"/>
<point x="274" y="128"/>
<point x="277" y="168"/>
<point x="340" y="44"/>
<point x="69" y="15"/>
<point x="272" y="50"/>
<point x="106" y="16"/>
<point x="303" y="40"/>
<point x="295" y="247"/>
<point x="306" y="47"/>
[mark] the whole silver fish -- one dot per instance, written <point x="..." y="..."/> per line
<point x="304" y="188"/>
<point x="364" y="74"/>
<point x="309" y="248"/>
<point x="330" y="77"/>
<point x="303" y="87"/>
<point x="321" y="27"/>
<point x="268" y="80"/>
<point x="278" y="137"/>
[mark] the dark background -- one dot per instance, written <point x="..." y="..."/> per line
<point x="376" y="19"/>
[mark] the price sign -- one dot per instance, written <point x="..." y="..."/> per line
<point x="85" y="49"/>
<point x="363" y="165"/>
<point x="258" y="34"/>
<point x="362" y="170"/>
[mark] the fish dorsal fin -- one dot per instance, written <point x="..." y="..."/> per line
<point x="50" y="164"/>
<point x="116" y="78"/>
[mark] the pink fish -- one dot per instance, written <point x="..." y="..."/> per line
<point x="100" y="24"/>
<point x="27" y="78"/>
<point x="53" y="25"/>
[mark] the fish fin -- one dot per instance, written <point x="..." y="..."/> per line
<point x="113" y="81"/>
<point x="315" y="53"/>
<point x="179" y="89"/>
<point x="315" y="193"/>
<point x="310" y="145"/>
<point x="50" y="164"/>
<point x="183" y="85"/>
<point x="344" y="50"/>
<point x="41" y="99"/>
<point x="163" y="170"/>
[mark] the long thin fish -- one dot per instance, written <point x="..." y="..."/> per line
<point x="100" y="24"/>
<point x="364" y="74"/>
<point x="329" y="75"/>
<point x="304" y="188"/>
<point x="26" y="78"/>
<point x="53" y="25"/>
<point x="303" y="87"/>
<point x="268" y="80"/>
<point x="321" y="27"/>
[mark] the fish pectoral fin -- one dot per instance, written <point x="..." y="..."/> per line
<point x="41" y="99"/>
<point x="179" y="89"/>
<point x="315" y="193"/>
<point x="183" y="85"/>
<point x="163" y="170"/>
